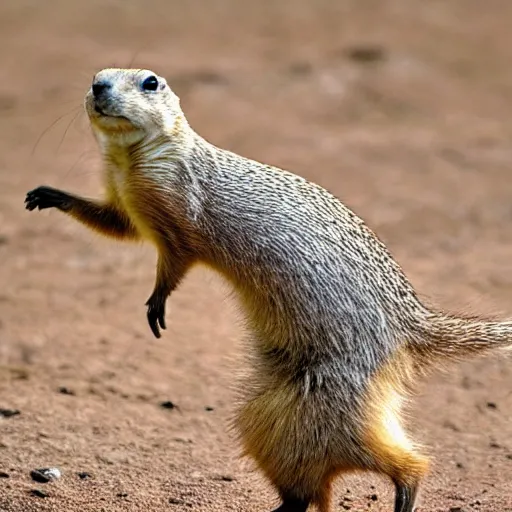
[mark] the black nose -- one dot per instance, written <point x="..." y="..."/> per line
<point x="99" y="88"/>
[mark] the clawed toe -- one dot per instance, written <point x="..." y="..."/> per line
<point x="156" y="315"/>
<point x="46" y="197"/>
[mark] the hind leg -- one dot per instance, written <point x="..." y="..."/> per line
<point x="405" y="497"/>
<point x="291" y="504"/>
<point x="283" y="434"/>
<point x="402" y="463"/>
<point x="395" y="456"/>
<point x="301" y="493"/>
<point x="321" y="497"/>
<point x="391" y="451"/>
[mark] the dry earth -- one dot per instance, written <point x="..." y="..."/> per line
<point x="400" y="107"/>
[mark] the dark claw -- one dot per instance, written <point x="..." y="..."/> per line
<point x="156" y="314"/>
<point x="47" y="197"/>
<point x="161" y="319"/>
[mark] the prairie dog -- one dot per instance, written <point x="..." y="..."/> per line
<point x="338" y="335"/>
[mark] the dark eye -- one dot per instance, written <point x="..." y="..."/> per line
<point x="150" y="84"/>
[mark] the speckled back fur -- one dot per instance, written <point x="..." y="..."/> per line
<point x="317" y="283"/>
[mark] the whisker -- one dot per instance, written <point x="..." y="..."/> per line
<point x="85" y="74"/>
<point x="77" y="161"/>
<point x="67" y="102"/>
<point x="136" y="54"/>
<point x="46" y="130"/>
<point x="70" y="124"/>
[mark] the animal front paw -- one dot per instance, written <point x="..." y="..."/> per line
<point x="156" y="314"/>
<point x="47" y="197"/>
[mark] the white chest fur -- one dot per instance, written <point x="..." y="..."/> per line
<point x="119" y="169"/>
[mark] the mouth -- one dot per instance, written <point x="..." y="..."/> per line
<point x="99" y="111"/>
<point x="102" y="114"/>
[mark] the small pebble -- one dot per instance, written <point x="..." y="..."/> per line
<point x="492" y="405"/>
<point x="183" y="440"/>
<point x="300" y="68"/>
<point x="83" y="475"/>
<point x="66" y="391"/>
<point x="53" y="473"/>
<point x="38" y="493"/>
<point x="366" y="54"/>
<point x="44" y="475"/>
<point x="208" y="408"/>
<point x="168" y="405"/>
<point x="7" y="413"/>
<point x="451" y="426"/>
<point x="39" y="476"/>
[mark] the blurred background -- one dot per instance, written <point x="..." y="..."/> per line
<point x="399" y="107"/>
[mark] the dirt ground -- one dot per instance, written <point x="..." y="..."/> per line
<point x="400" y="107"/>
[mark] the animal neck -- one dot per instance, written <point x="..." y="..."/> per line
<point x="140" y="149"/>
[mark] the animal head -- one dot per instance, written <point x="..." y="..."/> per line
<point x="130" y="104"/>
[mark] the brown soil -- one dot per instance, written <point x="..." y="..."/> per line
<point x="400" y="107"/>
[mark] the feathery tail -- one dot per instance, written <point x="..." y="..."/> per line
<point x="449" y="337"/>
